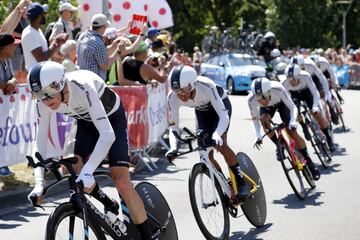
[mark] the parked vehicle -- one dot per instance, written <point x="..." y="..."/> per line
<point x="233" y="71"/>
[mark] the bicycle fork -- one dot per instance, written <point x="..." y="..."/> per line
<point x="214" y="173"/>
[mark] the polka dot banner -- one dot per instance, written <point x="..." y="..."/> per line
<point x="87" y="8"/>
<point x="158" y="12"/>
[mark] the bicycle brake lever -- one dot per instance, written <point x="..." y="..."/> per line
<point x="33" y="199"/>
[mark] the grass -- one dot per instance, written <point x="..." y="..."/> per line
<point x="23" y="178"/>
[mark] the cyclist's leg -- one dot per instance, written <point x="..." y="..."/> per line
<point x="119" y="158"/>
<point x="87" y="133"/>
<point x="266" y="114"/>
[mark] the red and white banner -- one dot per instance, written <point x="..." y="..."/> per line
<point x="145" y="109"/>
<point x="135" y="102"/>
<point x="158" y="12"/>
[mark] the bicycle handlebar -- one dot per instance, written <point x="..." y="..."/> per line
<point x="50" y="163"/>
<point x="274" y="128"/>
<point x="191" y="137"/>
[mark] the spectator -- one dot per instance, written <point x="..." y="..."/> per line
<point x="136" y="71"/>
<point x="62" y="25"/>
<point x="197" y="59"/>
<point x="342" y="72"/>
<point x="91" y="51"/>
<point x="69" y="51"/>
<point x="7" y="80"/>
<point x="13" y="19"/>
<point x="157" y="46"/>
<point x="33" y="40"/>
<point x="345" y="56"/>
<point x="126" y="47"/>
<point x="18" y="61"/>
<point x="152" y="33"/>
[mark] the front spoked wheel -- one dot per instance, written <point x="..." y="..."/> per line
<point x="255" y="208"/>
<point x="66" y="222"/>
<point x="158" y="210"/>
<point x="210" y="212"/>
<point x="293" y="174"/>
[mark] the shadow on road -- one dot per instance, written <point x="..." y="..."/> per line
<point x="330" y="169"/>
<point x="340" y="151"/>
<point x="340" y="130"/>
<point x="22" y="216"/>
<point x="292" y="202"/>
<point x="252" y="234"/>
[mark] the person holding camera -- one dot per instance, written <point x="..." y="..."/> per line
<point x="140" y="69"/>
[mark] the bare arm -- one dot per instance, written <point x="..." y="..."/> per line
<point x="41" y="55"/>
<point x="122" y="80"/>
<point x="13" y="19"/>
<point x="149" y="73"/>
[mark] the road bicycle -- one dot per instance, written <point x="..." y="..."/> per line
<point x="80" y="218"/>
<point x="292" y="162"/>
<point x="316" y="136"/>
<point x="210" y="191"/>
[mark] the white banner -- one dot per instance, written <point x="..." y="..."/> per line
<point x="17" y="126"/>
<point x="157" y="115"/>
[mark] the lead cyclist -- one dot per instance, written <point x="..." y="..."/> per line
<point x="101" y="128"/>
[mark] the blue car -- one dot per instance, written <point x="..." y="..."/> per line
<point x="233" y="71"/>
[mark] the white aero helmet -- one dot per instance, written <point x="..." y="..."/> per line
<point x="182" y="77"/>
<point x="292" y="71"/>
<point x="46" y="79"/>
<point x="275" y="53"/>
<point x="298" y="59"/>
<point x="269" y="35"/>
<point x="315" y="58"/>
<point x="261" y="87"/>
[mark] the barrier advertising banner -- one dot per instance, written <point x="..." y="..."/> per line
<point x="135" y="102"/>
<point x="145" y="109"/>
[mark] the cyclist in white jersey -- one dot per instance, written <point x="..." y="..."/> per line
<point x="333" y="82"/>
<point x="101" y="129"/>
<point x="213" y="112"/>
<point x="265" y="99"/>
<point x="317" y="76"/>
<point x="301" y="88"/>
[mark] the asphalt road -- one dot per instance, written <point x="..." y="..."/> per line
<point x="332" y="211"/>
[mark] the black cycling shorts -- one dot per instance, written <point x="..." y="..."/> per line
<point x="303" y="95"/>
<point x="208" y="120"/>
<point x="317" y="82"/>
<point x="87" y="136"/>
<point x="281" y="108"/>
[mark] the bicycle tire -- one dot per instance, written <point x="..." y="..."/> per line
<point x="320" y="147"/>
<point x="287" y="165"/>
<point x="157" y="206"/>
<point x="340" y="115"/>
<point x="255" y="208"/>
<point x="63" y="211"/>
<point x="199" y="172"/>
<point x="308" y="176"/>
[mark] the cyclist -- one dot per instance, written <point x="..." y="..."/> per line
<point x="213" y="112"/>
<point x="265" y="99"/>
<point x="325" y="67"/>
<point x="301" y="88"/>
<point x="317" y="76"/>
<point x="101" y="128"/>
<point x="268" y="44"/>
